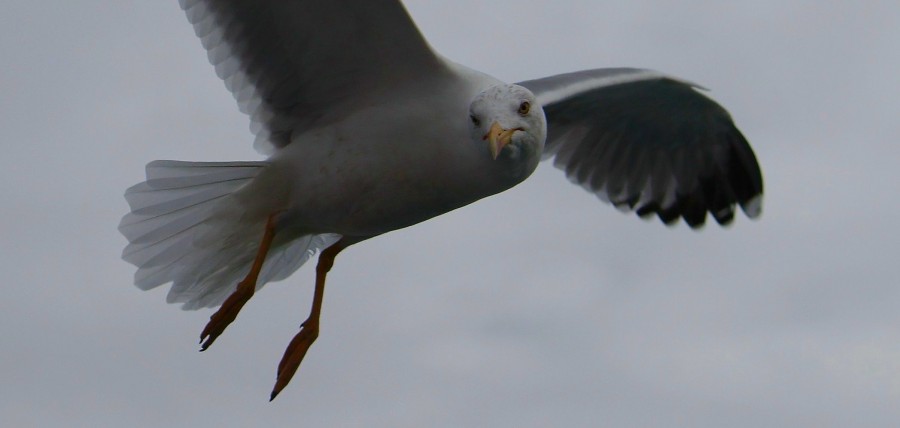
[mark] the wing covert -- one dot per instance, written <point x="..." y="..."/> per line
<point x="291" y="64"/>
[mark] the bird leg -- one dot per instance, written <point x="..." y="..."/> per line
<point x="309" y="330"/>
<point x="245" y="289"/>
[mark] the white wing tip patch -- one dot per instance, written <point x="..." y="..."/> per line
<point x="753" y="207"/>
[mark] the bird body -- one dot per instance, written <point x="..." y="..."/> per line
<point x="360" y="184"/>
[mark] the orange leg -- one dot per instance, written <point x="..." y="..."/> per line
<point x="245" y="289"/>
<point x="309" y="330"/>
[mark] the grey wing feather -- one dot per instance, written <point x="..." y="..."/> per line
<point x="647" y="142"/>
<point x="293" y="64"/>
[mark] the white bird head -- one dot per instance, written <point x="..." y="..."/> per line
<point x="510" y="123"/>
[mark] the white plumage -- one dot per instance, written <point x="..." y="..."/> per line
<point x="187" y="227"/>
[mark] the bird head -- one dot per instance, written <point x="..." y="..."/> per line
<point x="509" y="124"/>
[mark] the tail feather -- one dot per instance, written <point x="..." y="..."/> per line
<point x="281" y="262"/>
<point x="185" y="227"/>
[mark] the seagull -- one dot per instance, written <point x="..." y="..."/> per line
<point x="369" y="130"/>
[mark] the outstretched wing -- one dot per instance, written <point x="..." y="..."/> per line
<point x="293" y="64"/>
<point x="648" y="142"/>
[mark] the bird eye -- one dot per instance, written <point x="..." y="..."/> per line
<point x="475" y="120"/>
<point x="524" y="108"/>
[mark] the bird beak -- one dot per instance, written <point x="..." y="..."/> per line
<point x="498" y="138"/>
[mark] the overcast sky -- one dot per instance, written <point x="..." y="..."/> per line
<point x="540" y="306"/>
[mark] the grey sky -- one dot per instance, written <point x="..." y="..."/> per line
<point x="538" y="306"/>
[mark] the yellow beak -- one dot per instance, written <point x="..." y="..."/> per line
<point x="498" y="138"/>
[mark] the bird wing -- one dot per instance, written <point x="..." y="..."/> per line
<point x="292" y="65"/>
<point x="648" y="142"/>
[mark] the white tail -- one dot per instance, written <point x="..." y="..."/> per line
<point x="186" y="227"/>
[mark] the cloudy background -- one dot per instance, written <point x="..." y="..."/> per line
<point x="541" y="306"/>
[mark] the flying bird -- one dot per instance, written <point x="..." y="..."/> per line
<point x="368" y="130"/>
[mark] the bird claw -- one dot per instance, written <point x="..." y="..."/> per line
<point x="225" y="315"/>
<point x="294" y="354"/>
